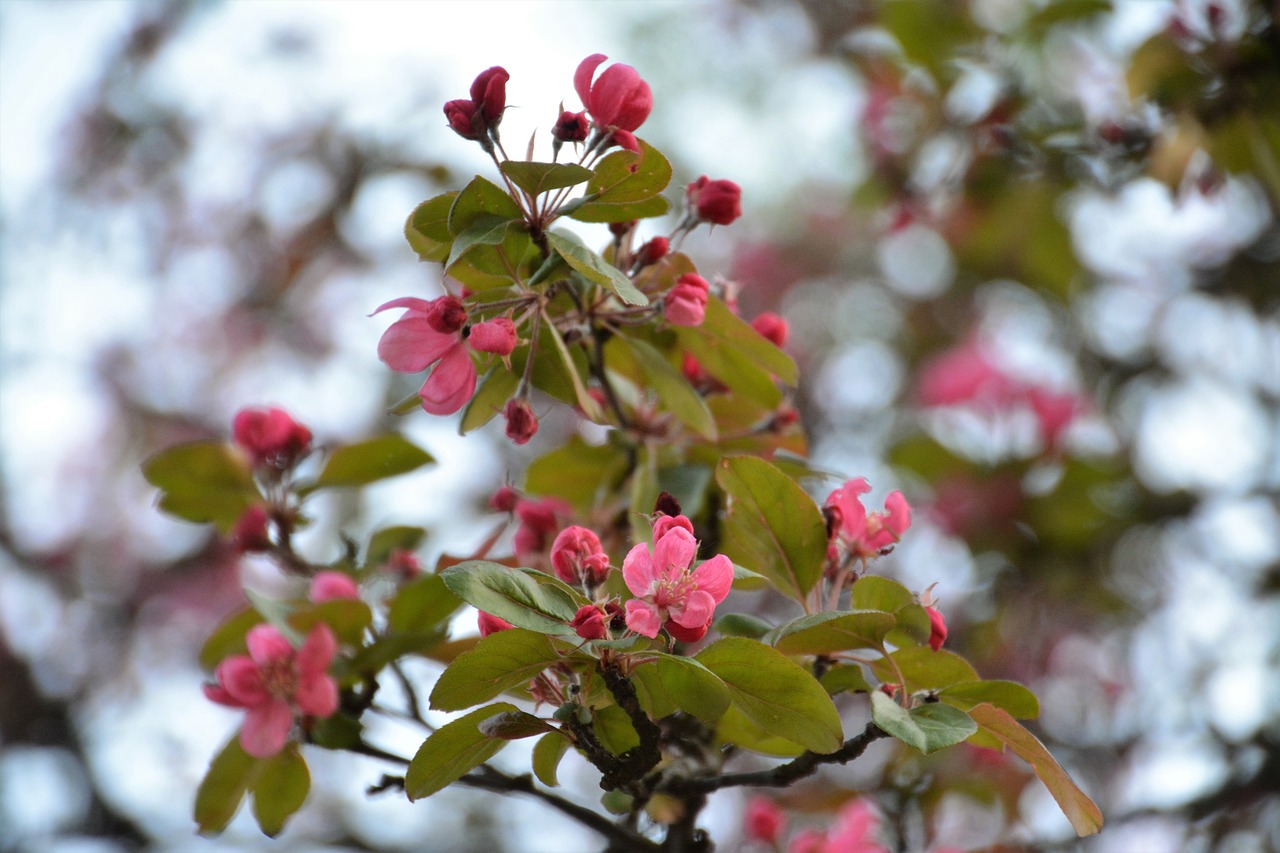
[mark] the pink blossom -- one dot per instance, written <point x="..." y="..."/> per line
<point x="504" y="499"/>
<point x="403" y="563"/>
<point x="764" y="820"/>
<point x="579" y="558"/>
<point x="490" y="624"/>
<point x="275" y="684"/>
<point x="772" y="327"/>
<point x="618" y="99"/>
<point x="522" y="423"/>
<point x="686" y="303"/>
<point x="866" y="534"/>
<point x="327" y="586"/>
<point x="718" y="202"/>
<point x="416" y="341"/>
<point x="271" y="437"/>
<point x="667" y="587"/>
<point x="250" y="532"/>
<point x="653" y="251"/>
<point x="497" y="336"/>
<point x="965" y="374"/>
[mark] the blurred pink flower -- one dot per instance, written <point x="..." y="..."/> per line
<point x="327" y="586"/>
<point x="270" y="436"/>
<point x="718" y="202"/>
<point x="764" y="820"/>
<point x="866" y="534"/>
<point x="666" y="588"/>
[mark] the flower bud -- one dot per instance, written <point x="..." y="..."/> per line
<point x="271" y="437"/>
<point x="772" y="327"/>
<point x="504" y="499"/>
<point x="522" y="423"/>
<point x="464" y="119"/>
<point x="496" y="336"/>
<point x="489" y="93"/>
<point x="618" y="99"/>
<point x="763" y="820"/>
<point x="490" y="624"/>
<point x="686" y="303"/>
<point x="447" y="314"/>
<point x="937" y="628"/>
<point x="589" y="623"/>
<point x="578" y="557"/>
<point x="250" y="532"/>
<point x="620" y="229"/>
<point x="403" y="564"/>
<point x="686" y="635"/>
<point x="327" y="586"/>
<point x="718" y="202"/>
<point x="666" y="504"/>
<point x="571" y="127"/>
<point x="665" y="524"/>
<point x="652" y="252"/>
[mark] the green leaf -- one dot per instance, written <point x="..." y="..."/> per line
<point x="203" y="481"/>
<point x="569" y="366"/>
<point x="1009" y="696"/>
<point x="538" y="178"/>
<point x="499" y="386"/>
<point x="772" y="526"/>
<point x="735" y="729"/>
<point x="498" y="663"/>
<point x="775" y="693"/>
<point x="515" y="725"/>
<point x="228" y="638"/>
<point x="673" y="390"/>
<point x="842" y="679"/>
<point x="453" y="751"/>
<point x="614" y="729"/>
<point x="594" y="268"/>
<point x="578" y="472"/>
<point x="924" y="669"/>
<point x="339" y="732"/>
<point x="629" y="176"/>
<point x="383" y="543"/>
<point x="223" y="787"/>
<point x="872" y="592"/>
<point x="280" y="789"/>
<point x="588" y="209"/>
<point x="741" y="625"/>
<point x="928" y="728"/>
<point x="514" y="595"/>
<point x="347" y="617"/>
<point x="486" y="230"/>
<point x="479" y="198"/>
<point x="1084" y="815"/>
<point x="422" y="606"/>
<point x="547" y="753"/>
<point x="671" y="683"/>
<point x="427" y="228"/>
<point x="822" y="633"/>
<point x="369" y="461"/>
<point x="740" y="357"/>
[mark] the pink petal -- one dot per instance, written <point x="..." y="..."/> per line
<point x="410" y="344"/>
<point x="673" y="553"/>
<point x="715" y="577"/>
<point x="666" y="522"/>
<point x="637" y="571"/>
<point x="696" y="610"/>
<point x="620" y="98"/>
<point x="266" y="729"/>
<point x="317" y="695"/>
<point x="415" y="305"/>
<point x="218" y="693"/>
<point x="582" y="77"/>
<point x="452" y="383"/>
<point x="318" y="651"/>
<point x="267" y="645"/>
<point x="242" y="681"/>
<point x="899" y="516"/>
<point x="643" y="617"/>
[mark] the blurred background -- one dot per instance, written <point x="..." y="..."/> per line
<point x="1030" y="254"/>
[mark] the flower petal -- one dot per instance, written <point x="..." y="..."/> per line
<point x="673" y="553"/>
<point x="242" y="681"/>
<point x="695" y="611"/>
<point x="637" y="570"/>
<point x="266" y="729"/>
<point x="317" y="652"/>
<point x="452" y="383"/>
<point x="715" y="577"/>
<point x="582" y="77"/>
<point x="643" y="617"/>
<point x="267" y="645"/>
<point x="899" y="515"/>
<point x="410" y="344"/>
<point x="415" y="305"/>
<point x="620" y="98"/>
<point x="316" y="695"/>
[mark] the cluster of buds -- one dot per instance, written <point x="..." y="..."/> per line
<point x="274" y="443"/>
<point x="478" y="118"/>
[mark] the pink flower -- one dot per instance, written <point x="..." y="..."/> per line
<point x="490" y="624"/>
<point x="589" y="623"/>
<point x="496" y="336"/>
<point x="250" y="532"/>
<point x="965" y="374"/>
<point x="852" y="833"/>
<point x="763" y="820"/>
<point x="718" y="202"/>
<point x="271" y="437"/>
<point x="275" y="684"/>
<point x="866" y="534"/>
<point x="667" y="587"/>
<point x="327" y="586"/>
<point x="478" y="117"/>
<point x="522" y="423"/>
<point x="618" y="99"/>
<point x="578" y="557"/>
<point x="422" y="337"/>
<point x="772" y="327"/>
<point x="571" y="127"/>
<point x="686" y="303"/>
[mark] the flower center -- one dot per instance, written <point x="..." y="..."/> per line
<point x="673" y="591"/>
<point x="280" y="678"/>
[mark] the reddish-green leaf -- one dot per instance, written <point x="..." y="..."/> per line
<point x="498" y="663"/>
<point x="1083" y="813"/>
<point x="452" y="752"/>
<point x="280" y="789"/>
<point x="626" y="176"/>
<point x="538" y="178"/>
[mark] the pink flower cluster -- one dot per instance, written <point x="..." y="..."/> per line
<point x="275" y="683"/>
<point x="865" y="534"/>
<point x="669" y="592"/>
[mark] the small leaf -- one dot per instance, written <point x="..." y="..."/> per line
<point x="280" y="789"/>
<point x="924" y="669"/>
<point x="538" y="178"/>
<point x="673" y="390"/>
<point x="594" y="268"/>
<point x="894" y="719"/>
<point x="453" y="751"/>
<point x="514" y="595"/>
<point x="822" y="633"/>
<point x="479" y="198"/>
<point x="427" y="228"/>
<point x="773" y="527"/>
<point x="670" y="683"/>
<point x="1009" y="696"/>
<point x="498" y="663"/>
<point x="422" y="606"/>
<point x="486" y="230"/>
<point x="228" y="638"/>
<point x="223" y="787"/>
<point x="842" y="679"/>
<point x="775" y="693"/>
<point x="369" y="461"/>
<point x="547" y="753"/>
<point x="514" y="725"/>
<point x="203" y="481"/>
<point x="1084" y="815"/>
<point x="928" y="728"/>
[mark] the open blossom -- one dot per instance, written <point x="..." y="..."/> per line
<point x="429" y="333"/>
<point x="275" y="683"/>
<point x="478" y="117"/>
<point x="866" y="534"/>
<point x="578" y="556"/>
<point x="618" y="100"/>
<point x="718" y="202"/>
<point x="686" y="303"/>
<point x="666" y="585"/>
<point x="271" y="437"/>
<point x="327" y="586"/>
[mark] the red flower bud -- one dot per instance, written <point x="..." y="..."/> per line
<point x="718" y="202"/>
<point x="447" y="314"/>
<point x="496" y="336"/>
<point x="489" y="93"/>
<point x="620" y="229"/>
<point x="653" y="251"/>
<point x="464" y="119"/>
<point x="403" y="563"/>
<point x="504" y="499"/>
<point x="618" y="99"/>
<point x="522" y="423"/>
<point x="571" y="127"/>
<point x="578" y="557"/>
<point x="490" y="624"/>
<point x="937" y="628"/>
<point x="763" y="820"/>
<point x="250" y="532"/>
<point x="772" y="327"/>
<point x="686" y="303"/>
<point x="589" y="623"/>
<point x="686" y="635"/>
<point x="328" y="586"/>
<point x="271" y="437"/>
